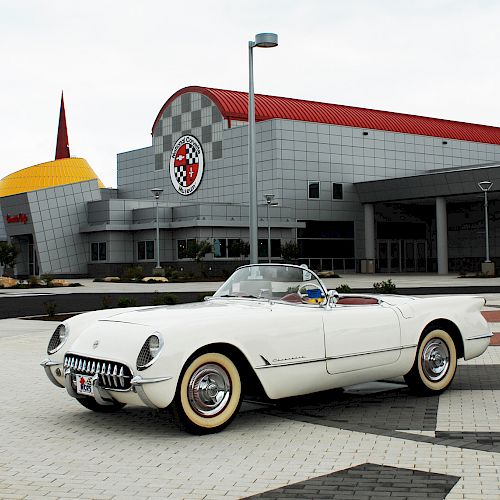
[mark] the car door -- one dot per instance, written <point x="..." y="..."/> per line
<point x="360" y="337"/>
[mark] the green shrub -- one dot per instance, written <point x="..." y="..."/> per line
<point x="165" y="299"/>
<point x="106" y="302"/>
<point x="47" y="278"/>
<point x="50" y="308"/>
<point x="343" y="288"/>
<point x="33" y="281"/>
<point x="133" y="273"/>
<point x="385" y="287"/>
<point x="126" y="302"/>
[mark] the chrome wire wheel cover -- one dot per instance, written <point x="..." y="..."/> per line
<point x="435" y="360"/>
<point x="209" y="390"/>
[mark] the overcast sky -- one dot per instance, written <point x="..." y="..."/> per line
<point x="118" y="61"/>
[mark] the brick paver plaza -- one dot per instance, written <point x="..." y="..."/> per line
<point x="370" y="441"/>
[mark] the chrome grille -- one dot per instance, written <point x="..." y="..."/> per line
<point x="112" y="375"/>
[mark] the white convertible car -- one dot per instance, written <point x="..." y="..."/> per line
<point x="273" y="329"/>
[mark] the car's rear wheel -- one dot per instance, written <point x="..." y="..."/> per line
<point x="208" y="394"/>
<point x="435" y="364"/>
<point x="92" y="404"/>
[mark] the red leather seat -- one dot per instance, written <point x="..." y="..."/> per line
<point x="356" y="301"/>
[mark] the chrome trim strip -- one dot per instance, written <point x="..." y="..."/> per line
<point x="137" y="384"/>
<point x="306" y="361"/>
<point x="378" y="351"/>
<point x="46" y="364"/>
<point x="483" y="336"/>
<point x="139" y="389"/>
<point x="138" y="380"/>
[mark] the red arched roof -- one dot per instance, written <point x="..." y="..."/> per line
<point x="233" y="105"/>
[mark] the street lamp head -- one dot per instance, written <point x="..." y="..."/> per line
<point x="266" y="40"/>
<point x="269" y="198"/>
<point x="156" y="192"/>
<point x="485" y="185"/>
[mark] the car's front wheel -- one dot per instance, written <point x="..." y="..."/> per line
<point x="435" y="364"/>
<point x="92" y="404"/>
<point x="208" y="394"/>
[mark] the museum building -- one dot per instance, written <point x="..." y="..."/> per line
<point x="357" y="190"/>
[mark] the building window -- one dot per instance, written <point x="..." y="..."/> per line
<point x="275" y="248"/>
<point x="337" y="192"/>
<point x="220" y="248"/>
<point x="145" y="250"/>
<point x="185" y="248"/>
<point x="229" y="248"/>
<point x="98" y="251"/>
<point x="313" y="190"/>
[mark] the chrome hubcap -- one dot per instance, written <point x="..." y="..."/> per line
<point x="435" y="360"/>
<point x="209" y="390"/>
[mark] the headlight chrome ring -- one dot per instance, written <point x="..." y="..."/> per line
<point x="149" y="351"/>
<point x="58" y="338"/>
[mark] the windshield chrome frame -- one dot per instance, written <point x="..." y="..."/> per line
<point x="269" y="299"/>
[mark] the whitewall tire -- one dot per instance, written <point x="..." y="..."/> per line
<point x="435" y="364"/>
<point x="208" y="395"/>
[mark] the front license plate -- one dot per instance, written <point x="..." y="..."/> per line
<point x="84" y="385"/>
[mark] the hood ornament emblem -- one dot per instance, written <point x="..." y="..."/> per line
<point x="95" y="344"/>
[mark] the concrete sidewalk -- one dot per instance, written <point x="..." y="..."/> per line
<point x="355" y="281"/>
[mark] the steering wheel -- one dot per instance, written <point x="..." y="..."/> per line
<point x="305" y="287"/>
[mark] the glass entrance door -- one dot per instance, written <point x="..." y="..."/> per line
<point x="396" y="256"/>
<point x="32" y="258"/>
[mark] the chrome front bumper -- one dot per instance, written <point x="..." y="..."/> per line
<point x="47" y="364"/>
<point x="104" y="396"/>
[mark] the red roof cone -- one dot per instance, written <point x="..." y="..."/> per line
<point x="62" y="147"/>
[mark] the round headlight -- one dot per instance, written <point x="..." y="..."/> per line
<point x="154" y="346"/>
<point x="58" y="338"/>
<point x="149" y="351"/>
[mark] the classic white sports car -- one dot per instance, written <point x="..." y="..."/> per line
<point x="269" y="329"/>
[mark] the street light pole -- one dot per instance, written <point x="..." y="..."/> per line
<point x="156" y="193"/>
<point x="485" y="186"/>
<point x="264" y="40"/>
<point x="269" y="201"/>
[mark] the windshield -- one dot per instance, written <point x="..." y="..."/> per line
<point x="279" y="282"/>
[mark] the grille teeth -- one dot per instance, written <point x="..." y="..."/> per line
<point x="111" y="375"/>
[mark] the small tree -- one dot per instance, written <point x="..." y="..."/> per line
<point x="198" y="249"/>
<point x="239" y="247"/>
<point x="290" y="251"/>
<point x="8" y="255"/>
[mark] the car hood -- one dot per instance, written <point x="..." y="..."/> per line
<point x="124" y="331"/>
<point x="194" y="314"/>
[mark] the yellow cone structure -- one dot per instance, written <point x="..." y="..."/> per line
<point x="49" y="174"/>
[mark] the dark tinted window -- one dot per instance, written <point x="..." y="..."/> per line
<point x="313" y="190"/>
<point x="337" y="193"/>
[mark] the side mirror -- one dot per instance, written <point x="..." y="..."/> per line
<point x="332" y="297"/>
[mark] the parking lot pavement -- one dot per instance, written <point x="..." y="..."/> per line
<point x="367" y="442"/>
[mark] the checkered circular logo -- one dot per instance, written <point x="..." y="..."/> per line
<point x="186" y="165"/>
